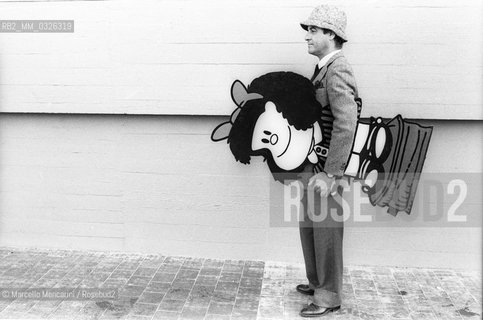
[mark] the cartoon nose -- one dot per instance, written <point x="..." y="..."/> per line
<point x="273" y="139"/>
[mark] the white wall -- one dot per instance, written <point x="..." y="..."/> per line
<point x="158" y="184"/>
<point x="152" y="181"/>
<point x="422" y="58"/>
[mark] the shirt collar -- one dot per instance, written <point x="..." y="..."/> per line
<point x="326" y="58"/>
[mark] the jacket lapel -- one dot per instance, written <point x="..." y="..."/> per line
<point x="323" y="71"/>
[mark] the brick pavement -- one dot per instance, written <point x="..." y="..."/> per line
<point x="158" y="287"/>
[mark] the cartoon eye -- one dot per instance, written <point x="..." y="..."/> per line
<point x="267" y="132"/>
<point x="265" y="140"/>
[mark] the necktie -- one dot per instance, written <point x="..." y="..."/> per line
<point x="316" y="72"/>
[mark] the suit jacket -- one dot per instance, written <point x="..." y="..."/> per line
<point x="336" y="91"/>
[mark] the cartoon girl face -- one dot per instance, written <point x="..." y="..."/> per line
<point x="289" y="147"/>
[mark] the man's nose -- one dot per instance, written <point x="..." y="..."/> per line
<point x="307" y="36"/>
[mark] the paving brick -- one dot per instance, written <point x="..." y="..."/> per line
<point x="54" y="274"/>
<point x="42" y="309"/>
<point x="193" y="313"/>
<point x="106" y="268"/>
<point x="272" y="287"/>
<point x="210" y="271"/>
<point x="193" y="263"/>
<point x="183" y="284"/>
<point x="226" y="286"/>
<point x="276" y="312"/>
<point x="202" y="291"/>
<point x="169" y="268"/>
<point x="161" y="287"/>
<point x="99" y="276"/>
<point x="88" y="283"/>
<point x="164" y="277"/>
<point x="177" y="294"/>
<point x="17" y="308"/>
<point x="198" y="302"/>
<point x="244" y="315"/>
<point x="251" y="271"/>
<point x="206" y="280"/>
<point x="233" y="266"/>
<point x="139" y="281"/>
<point x="143" y="309"/>
<point x="187" y="274"/>
<point x="114" y="283"/>
<point x="251" y="282"/>
<point x="216" y="317"/>
<point x="145" y="272"/>
<point x="128" y="265"/>
<point x="152" y="262"/>
<point x="70" y="282"/>
<point x="90" y="311"/>
<point x="246" y="304"/>
<point x="224" y="296"/>
<point x="248" y="292"/>
<point x="166" y="315"/>
<point x="220" y="308"/>
<point x="171" y="305"/>
<point x="151" y="297"/>
<point x="230" y="277"/>
<point x="136" y="317"/>
<point x="117" y="309"/>
<point x="175" y="260"/>
<point x="213" y="263"/>
<point x="68" y="310"/>
<point x="131" y="291"/>
<point x="423" y="315"/>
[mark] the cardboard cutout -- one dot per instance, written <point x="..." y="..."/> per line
<point x="279" y="118"/>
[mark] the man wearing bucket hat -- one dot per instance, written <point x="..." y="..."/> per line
<point x="336" y="91"/>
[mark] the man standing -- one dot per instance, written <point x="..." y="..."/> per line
<point x="337" y="93"/>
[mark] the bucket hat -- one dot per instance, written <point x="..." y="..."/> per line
<point x="327" y="17"/>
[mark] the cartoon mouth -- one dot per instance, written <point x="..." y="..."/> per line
<point x="288" y="143"/>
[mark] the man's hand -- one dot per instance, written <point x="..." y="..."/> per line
<point x="339" y="183"/>
<point x="325" y="184"/>
<point x="321" y="183"/>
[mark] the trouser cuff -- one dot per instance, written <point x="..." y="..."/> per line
<point x="326" y="299"/>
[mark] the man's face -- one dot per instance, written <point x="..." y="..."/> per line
<point x="318" y="43"/>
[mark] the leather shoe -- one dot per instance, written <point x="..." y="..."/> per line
<point x="313" y="310"/>
<point x="305" y="289"/>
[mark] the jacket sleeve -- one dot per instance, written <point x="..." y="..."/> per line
<point x="341" y="90"/>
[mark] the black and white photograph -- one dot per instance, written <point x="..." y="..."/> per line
<point x="241" y="159"/>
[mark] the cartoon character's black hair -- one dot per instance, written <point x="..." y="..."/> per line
<point x="293" y="96"/>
